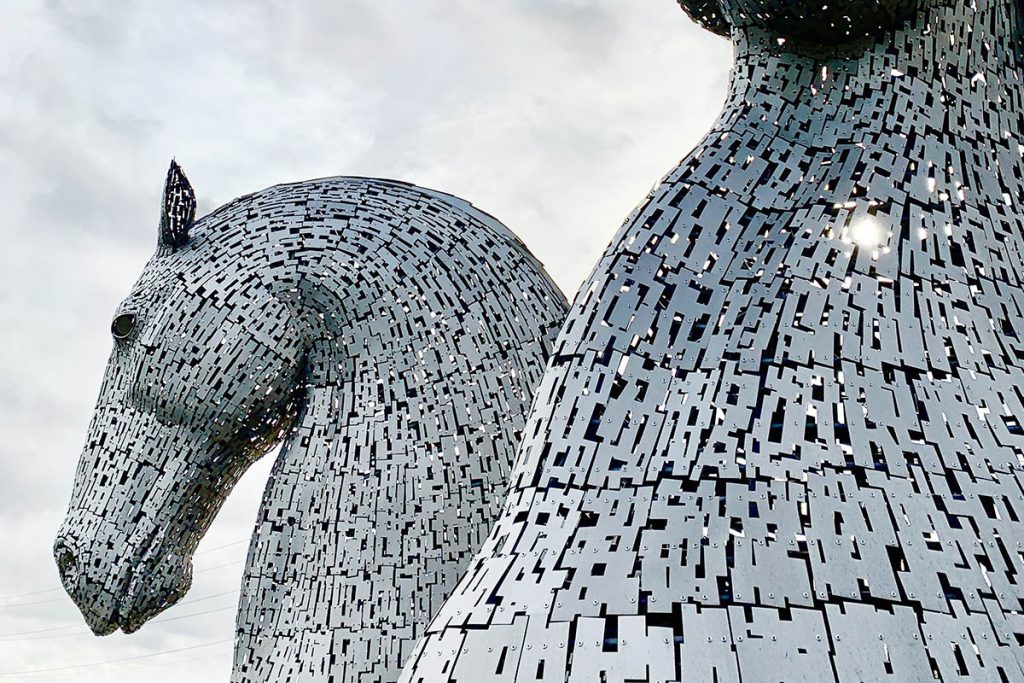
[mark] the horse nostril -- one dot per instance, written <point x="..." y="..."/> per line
<point x="66" y="564"/>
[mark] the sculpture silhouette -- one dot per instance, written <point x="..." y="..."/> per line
<point x="780" y="437"/>
<point x="391" y="336"/>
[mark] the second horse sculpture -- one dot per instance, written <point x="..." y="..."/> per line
<point x="392" y="336"/>
<point x="782" y="435"/>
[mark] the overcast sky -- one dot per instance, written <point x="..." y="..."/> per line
<point x="556" y="116"/>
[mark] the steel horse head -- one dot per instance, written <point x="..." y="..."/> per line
<point x="390" y="336"/>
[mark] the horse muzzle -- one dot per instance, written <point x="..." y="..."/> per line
<point x="119" y="590"/>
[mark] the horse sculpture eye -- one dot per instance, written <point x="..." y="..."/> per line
<point x="123" y="326"/>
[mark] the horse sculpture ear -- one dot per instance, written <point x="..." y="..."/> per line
<point x="179" y="208"/>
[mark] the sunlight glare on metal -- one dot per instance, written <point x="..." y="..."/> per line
<point x="867" y="232"/>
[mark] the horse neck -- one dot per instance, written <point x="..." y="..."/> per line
<point x="393" y="472"/>
<point x="379" y="397"/>
<point x="953" y="103"/>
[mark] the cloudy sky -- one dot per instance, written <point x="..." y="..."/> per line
<point x="556" y="116"/>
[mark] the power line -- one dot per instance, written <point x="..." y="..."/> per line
<point x="10" y="637"/>
<point x="195" y="614"/>
<point x="56" y="590"/>
<point x="82" y="634"/>
<point x="60" y="598"/>
<point x="15" y="637"/>
<point x="218" y="566"/>
<point x="28" y="595"/>
<point x="208" y="597"/>
<point x="134" y="666"/>
<point x="221" y="547"/>
<point x="30" y="672"/>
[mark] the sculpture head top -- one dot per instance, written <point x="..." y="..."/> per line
<point x="811" y="56"/>
<point x="807" y="20"/>
<point x="816" y="23"/>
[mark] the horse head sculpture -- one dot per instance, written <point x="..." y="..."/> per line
<point x="783" y="435"/>
<point x="202" y="380"/>
<point x="390" y="336"/>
